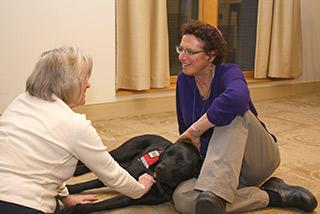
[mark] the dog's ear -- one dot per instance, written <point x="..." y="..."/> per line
<point x="198" y="168"/>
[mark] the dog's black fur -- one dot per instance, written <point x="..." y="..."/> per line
<point x="178" y="162"/>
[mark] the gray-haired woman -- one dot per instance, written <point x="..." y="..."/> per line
<point x="41" y="139"/>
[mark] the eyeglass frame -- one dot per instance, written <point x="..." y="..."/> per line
<point x="187" y="51"/>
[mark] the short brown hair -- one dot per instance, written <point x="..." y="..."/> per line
<point x="60" y="72"/>
<point x="210" y="35"/>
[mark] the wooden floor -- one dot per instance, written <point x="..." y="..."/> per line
<point x="294" y="120"/>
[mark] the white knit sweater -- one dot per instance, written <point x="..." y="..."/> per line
<point x="40" y="143"/>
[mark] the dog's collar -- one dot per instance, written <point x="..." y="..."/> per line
<point x="150" y="158"/>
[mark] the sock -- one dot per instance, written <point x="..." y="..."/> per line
<point x="274" y="199"/>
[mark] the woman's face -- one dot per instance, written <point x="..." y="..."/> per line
<point x="84" y="85"/>
<point x="193" y="64"/>
<point x="82" y="98"/>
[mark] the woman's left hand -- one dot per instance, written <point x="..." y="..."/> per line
<point x="72" y="200"/>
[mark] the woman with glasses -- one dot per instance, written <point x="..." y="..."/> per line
<point x="42" y="139"/>
<point x="215" y="113"/>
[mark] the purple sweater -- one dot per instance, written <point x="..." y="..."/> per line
<point x="229" y="97"/>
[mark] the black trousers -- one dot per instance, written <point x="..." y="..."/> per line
<point x="11" y="208"/>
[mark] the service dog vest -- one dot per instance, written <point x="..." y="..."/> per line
<point x="150" y="158"/>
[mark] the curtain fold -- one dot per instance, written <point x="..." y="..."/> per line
<point x="142" y="45"/>
<point x="279" y="39"/>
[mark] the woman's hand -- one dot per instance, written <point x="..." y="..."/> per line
<point x="193" y="133"/>
<point x="72" y="200"/>
<point x="191" y="136"/>
<point x="147" y="181"/>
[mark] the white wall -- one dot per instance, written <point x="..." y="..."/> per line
<point x="29" y="27"/>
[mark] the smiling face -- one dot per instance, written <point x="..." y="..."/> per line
<point x="197" y="63"/>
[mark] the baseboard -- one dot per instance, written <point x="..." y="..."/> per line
<point x="133" y="105"/>
<point x="278" y="89"/>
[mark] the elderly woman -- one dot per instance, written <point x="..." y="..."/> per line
<point x="41" y="139"/>
<point x="215" y="113"/>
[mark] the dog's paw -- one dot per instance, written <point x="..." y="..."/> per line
<point x="68" y="210"/>
<point x="78" y="209"/>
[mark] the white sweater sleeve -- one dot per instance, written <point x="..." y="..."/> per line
<point x="63" y="191"/>
<point x="88" y="148"/>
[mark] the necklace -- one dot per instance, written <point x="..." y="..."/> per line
<point x="204" y="99"/>
<point x="204" y="102"/>
<point x="205" y="94"/>
<point x="203" y="91"/>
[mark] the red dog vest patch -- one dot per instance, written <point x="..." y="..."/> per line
<point x="150" y="158"/>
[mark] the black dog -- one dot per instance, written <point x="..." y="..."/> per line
<point x="170" y="164"/>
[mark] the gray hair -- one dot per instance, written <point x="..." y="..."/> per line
<point x="59" y="71"/>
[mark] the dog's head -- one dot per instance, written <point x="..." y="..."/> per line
<point x="179" y="162"/>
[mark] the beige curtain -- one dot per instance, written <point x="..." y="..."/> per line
<point x="279" y="40"/>
<point x="142" y="44"/>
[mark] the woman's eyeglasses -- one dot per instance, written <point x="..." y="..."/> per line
<point x="187" y="51"/>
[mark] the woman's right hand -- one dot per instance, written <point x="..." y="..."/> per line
<point x="72" y="200"/>
<point x="190" y="136"/>
<point x="193" y="133"/>
<point x="147" y="181"/>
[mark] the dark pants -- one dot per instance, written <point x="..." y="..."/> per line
<point x="7" y="207"/>
<point x="11" y="208"/>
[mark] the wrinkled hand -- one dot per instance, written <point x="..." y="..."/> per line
<point x="72" y="200"/>
<point x="189" y="136"/>
<point x="147" y="181"/>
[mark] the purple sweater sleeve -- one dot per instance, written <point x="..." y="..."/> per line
<point x="232" y="96"/>
<point x="181" y="122"/>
